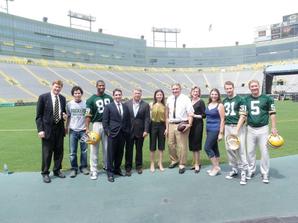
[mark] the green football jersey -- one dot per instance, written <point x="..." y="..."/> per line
<point x="259" y="110"/>
<point x="234" y="107"/>
<point x="95" y="106"/>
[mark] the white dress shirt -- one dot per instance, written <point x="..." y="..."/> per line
<point x="53" y="101"/>
<point x="183" y="108"/>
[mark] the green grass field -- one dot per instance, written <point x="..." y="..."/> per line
<point x="20" y="147"/>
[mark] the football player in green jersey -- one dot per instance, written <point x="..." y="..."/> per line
<point x="94" y="112"/>
<point x="259" y="108"/>
<point x="234" y="108"/>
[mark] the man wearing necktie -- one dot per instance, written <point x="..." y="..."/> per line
<point x="116" y="124"/>
<point x="179" y="110"/>
<point x="50" y="115"/>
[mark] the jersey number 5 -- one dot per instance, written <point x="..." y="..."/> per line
<point x="254" y="106"/>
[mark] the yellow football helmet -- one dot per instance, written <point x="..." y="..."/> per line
<point x="233" y="142"/>
<point x="91" y="138"/>
<point x="275" y="141"/>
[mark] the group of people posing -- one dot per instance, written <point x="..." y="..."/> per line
<point x="123" y="126"/>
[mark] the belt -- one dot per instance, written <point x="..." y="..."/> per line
<point x="177" y="123"/>
<point x="232" y="125"/>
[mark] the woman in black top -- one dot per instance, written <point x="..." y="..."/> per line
<point x="196" y="131"/>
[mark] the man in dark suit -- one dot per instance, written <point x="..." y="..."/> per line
<point x="116" y="124"/>
<point x="50" y="114"/>
<point x="139" y="112"/>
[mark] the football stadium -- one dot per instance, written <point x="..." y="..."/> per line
<point x="35" y="53"/>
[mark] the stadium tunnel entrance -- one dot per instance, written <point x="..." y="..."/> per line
<point x="278" y="70"/>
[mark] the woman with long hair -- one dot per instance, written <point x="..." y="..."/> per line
<point x="215" y="118"/>
<point x="158" y="129"/>
<point x="196" y="130"/>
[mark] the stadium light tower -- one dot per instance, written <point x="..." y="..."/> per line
<point x="165" y="31"/>
<point x="80" y="16"/>
<point x="7" y="5"/>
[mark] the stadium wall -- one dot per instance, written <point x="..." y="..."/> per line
<point x="35" y="39"/>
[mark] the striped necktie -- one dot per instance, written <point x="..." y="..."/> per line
<point x="56" y="110"/>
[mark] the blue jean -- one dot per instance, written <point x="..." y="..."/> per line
<point x="211" y="145"/>
<point x="74" y="140"/>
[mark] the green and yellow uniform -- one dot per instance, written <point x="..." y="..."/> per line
<point x="234" y="107"/>
<point x="259" y="109"/>
<point x="95" y="106"/>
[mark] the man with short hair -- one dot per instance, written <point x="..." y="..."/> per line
<point x="94" y="112"/>
<point x="259" y="108"/>
<point x="50" y="115"/>
<point x="116" y="124"/>
<point x="179" y="110"/>
<point x="75" y="126"/>
<point x="139" y="111"/>
<point x="234" y="108"/>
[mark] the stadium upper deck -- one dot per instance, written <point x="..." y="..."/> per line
<point x="34" y="39"/>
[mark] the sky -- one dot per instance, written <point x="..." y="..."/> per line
<point x="232" y="20"/>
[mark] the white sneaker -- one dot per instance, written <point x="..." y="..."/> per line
<point x="243" y="178"/>
<point x="249" y="175"/>
<point x="265" y="179"/>
<point x="93" y="175"/>
<point x="208" y="171"/>
<point x="232" y="174"/>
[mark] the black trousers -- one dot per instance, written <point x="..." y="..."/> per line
<point x="157" y="136"/>
<point x="130" y="142"/>
<point x="53" y="146"/>
<point x="115" y="153"/>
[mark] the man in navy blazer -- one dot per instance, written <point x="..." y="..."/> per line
<point x="116" y="124"/>
<point x="50" y="114"/>
<point x="139" y="111"/>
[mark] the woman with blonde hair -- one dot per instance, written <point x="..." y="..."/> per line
<point x="196" y="130"/>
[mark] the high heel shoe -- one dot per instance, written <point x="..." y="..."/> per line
<point x="215" y="172"/>
<point x="160" y="167"/>
<point x="152" y="168"/>
<point x="197" y="169"/>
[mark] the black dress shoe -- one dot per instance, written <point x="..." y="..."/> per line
<point x="173" y="165"/>
<point x="182" y="170"/>
<point x="197" y="171"/>
<point x="59" y="174"/>
<point x="139" y="170"/>
<point x="46" y="178"/>
<point x="119" y="173"/>
<point x="111" y="179"/>
<point x="128" y="173"/>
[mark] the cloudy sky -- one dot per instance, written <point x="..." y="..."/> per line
<point x="232" y="20"/>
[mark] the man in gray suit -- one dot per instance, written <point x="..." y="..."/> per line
<point x="139" y="111"/>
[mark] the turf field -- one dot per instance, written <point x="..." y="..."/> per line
<point x="20" y="148"/>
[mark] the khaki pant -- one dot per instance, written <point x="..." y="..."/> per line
<point x="178" y="144"/>
<point x="258" y="137"/>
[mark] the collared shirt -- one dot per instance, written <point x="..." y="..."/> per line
<point x="135" y="106"/>
<point x="119" y="107"/>
<point x="53" y="101"/>
<point x="183" y="108"/>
